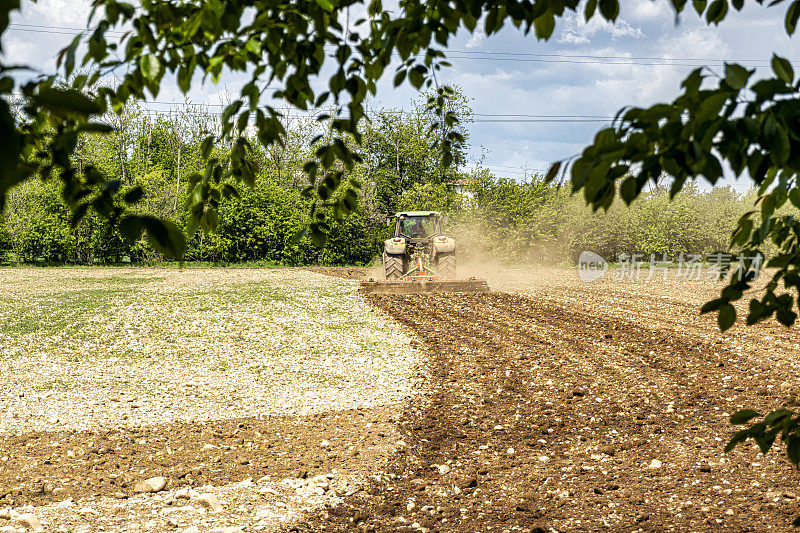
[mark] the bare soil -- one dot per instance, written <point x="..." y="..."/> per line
<point x="542" y="416"/>
<point x="357" y="273"/>
<point x="42" y="467"/>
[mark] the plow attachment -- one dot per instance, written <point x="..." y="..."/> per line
<point x="421" y="286"/>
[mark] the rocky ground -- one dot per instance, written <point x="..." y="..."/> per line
<point x="247" y="397"/>
<point x="554" y="406"/>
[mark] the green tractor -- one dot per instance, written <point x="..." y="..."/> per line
<point x="418" y="250"/>
<point x="418" y="258"/>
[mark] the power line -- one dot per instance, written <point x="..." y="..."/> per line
<point x="554" y="120"/>
<point x="665" y="63"/>
<point x="400" y="111"/>
<point x="489" y="56"/>
<point x="591" y="56"/>
<point x="492" y="148"/>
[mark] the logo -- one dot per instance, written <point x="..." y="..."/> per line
<point x="591" y="267"/>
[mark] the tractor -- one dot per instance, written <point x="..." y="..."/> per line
<point x="418" y="258"/>
<point x="418" y="250"/>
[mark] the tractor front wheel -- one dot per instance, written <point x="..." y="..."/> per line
<point x="446" y="265"/>
<point x="393" y="266"/>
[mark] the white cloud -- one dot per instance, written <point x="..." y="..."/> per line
<point x="478" y="36"/>
<point x="577" y="31"/>
<point x="650" y="10"/>
<point x="64" y="13"/>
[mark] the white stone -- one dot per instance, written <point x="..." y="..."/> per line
<point x="31" y="522"/>
<point x="209" y="501"/>
<point x="154" y="484"/>
<point x="655" y="463"/>
<point x="443" y="469"/>
<point x="325" y="444"/>
<point x="157" y="483"/>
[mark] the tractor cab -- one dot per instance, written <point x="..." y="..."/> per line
<point x="418" y="226"/>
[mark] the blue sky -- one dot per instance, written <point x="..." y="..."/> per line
<point x="585" y="72"/>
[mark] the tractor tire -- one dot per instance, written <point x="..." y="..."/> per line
<point x="393" y="266"/>
<point x="446" y="265"/>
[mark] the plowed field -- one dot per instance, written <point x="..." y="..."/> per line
<point x="603" y="409"/>
<point x="546" y="405"/>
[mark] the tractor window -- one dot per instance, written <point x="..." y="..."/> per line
<point x="417" y="227"/>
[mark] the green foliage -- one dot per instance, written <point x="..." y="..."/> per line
<point x="693" y="136"/>
<point x="516" y="222"/>
<point x="781" y="422"/>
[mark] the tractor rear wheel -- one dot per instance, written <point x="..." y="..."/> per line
<point x="446" y="265"/>
<point x="393" y="266"/>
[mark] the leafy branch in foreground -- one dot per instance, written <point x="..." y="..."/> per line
<point x="783" y="422"/>
<point x="753" y="128"/>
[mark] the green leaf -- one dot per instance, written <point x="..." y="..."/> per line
<point x="164" y="236"/>
<point x="793" y="449"/>
<point x="739" y="436"/>
<point x="551" y="174"/>
<point x="726" y="317"/>
<point x="609" y="9"/>
<point x="629" y="190"/>
<point x="782" y="68"/>
<point x="785" y="316"/>
<point x="775" y="416"/>
<point x="767" y="206"/>
<point x="206" y="146"/>
<point x="131" y="228"/>
<point x="794" y="197"/>
<point x="96" y="127"/>
<point x="544" y="25"/>
<point x="78" y="214"/>
<point x="327" y="5"/>
<point x="716" y="11"/>
<point x="133" y="196"/>
<point x="743" y="416"/>
<point x="792" y="14"/>
<point x="184" y="79"/>
<point x="66" y="100"/>
<point x="591" y="7"/>
<point x="399" y="77"/>
<point x="699" y="6"/>
<point x="152" y="69"/>
<point x="736" y="75"/>
<point x="713" y="305"/>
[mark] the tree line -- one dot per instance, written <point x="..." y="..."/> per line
<point x="502" y="219"/>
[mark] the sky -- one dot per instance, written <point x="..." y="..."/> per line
<point x="535" y="102"/>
